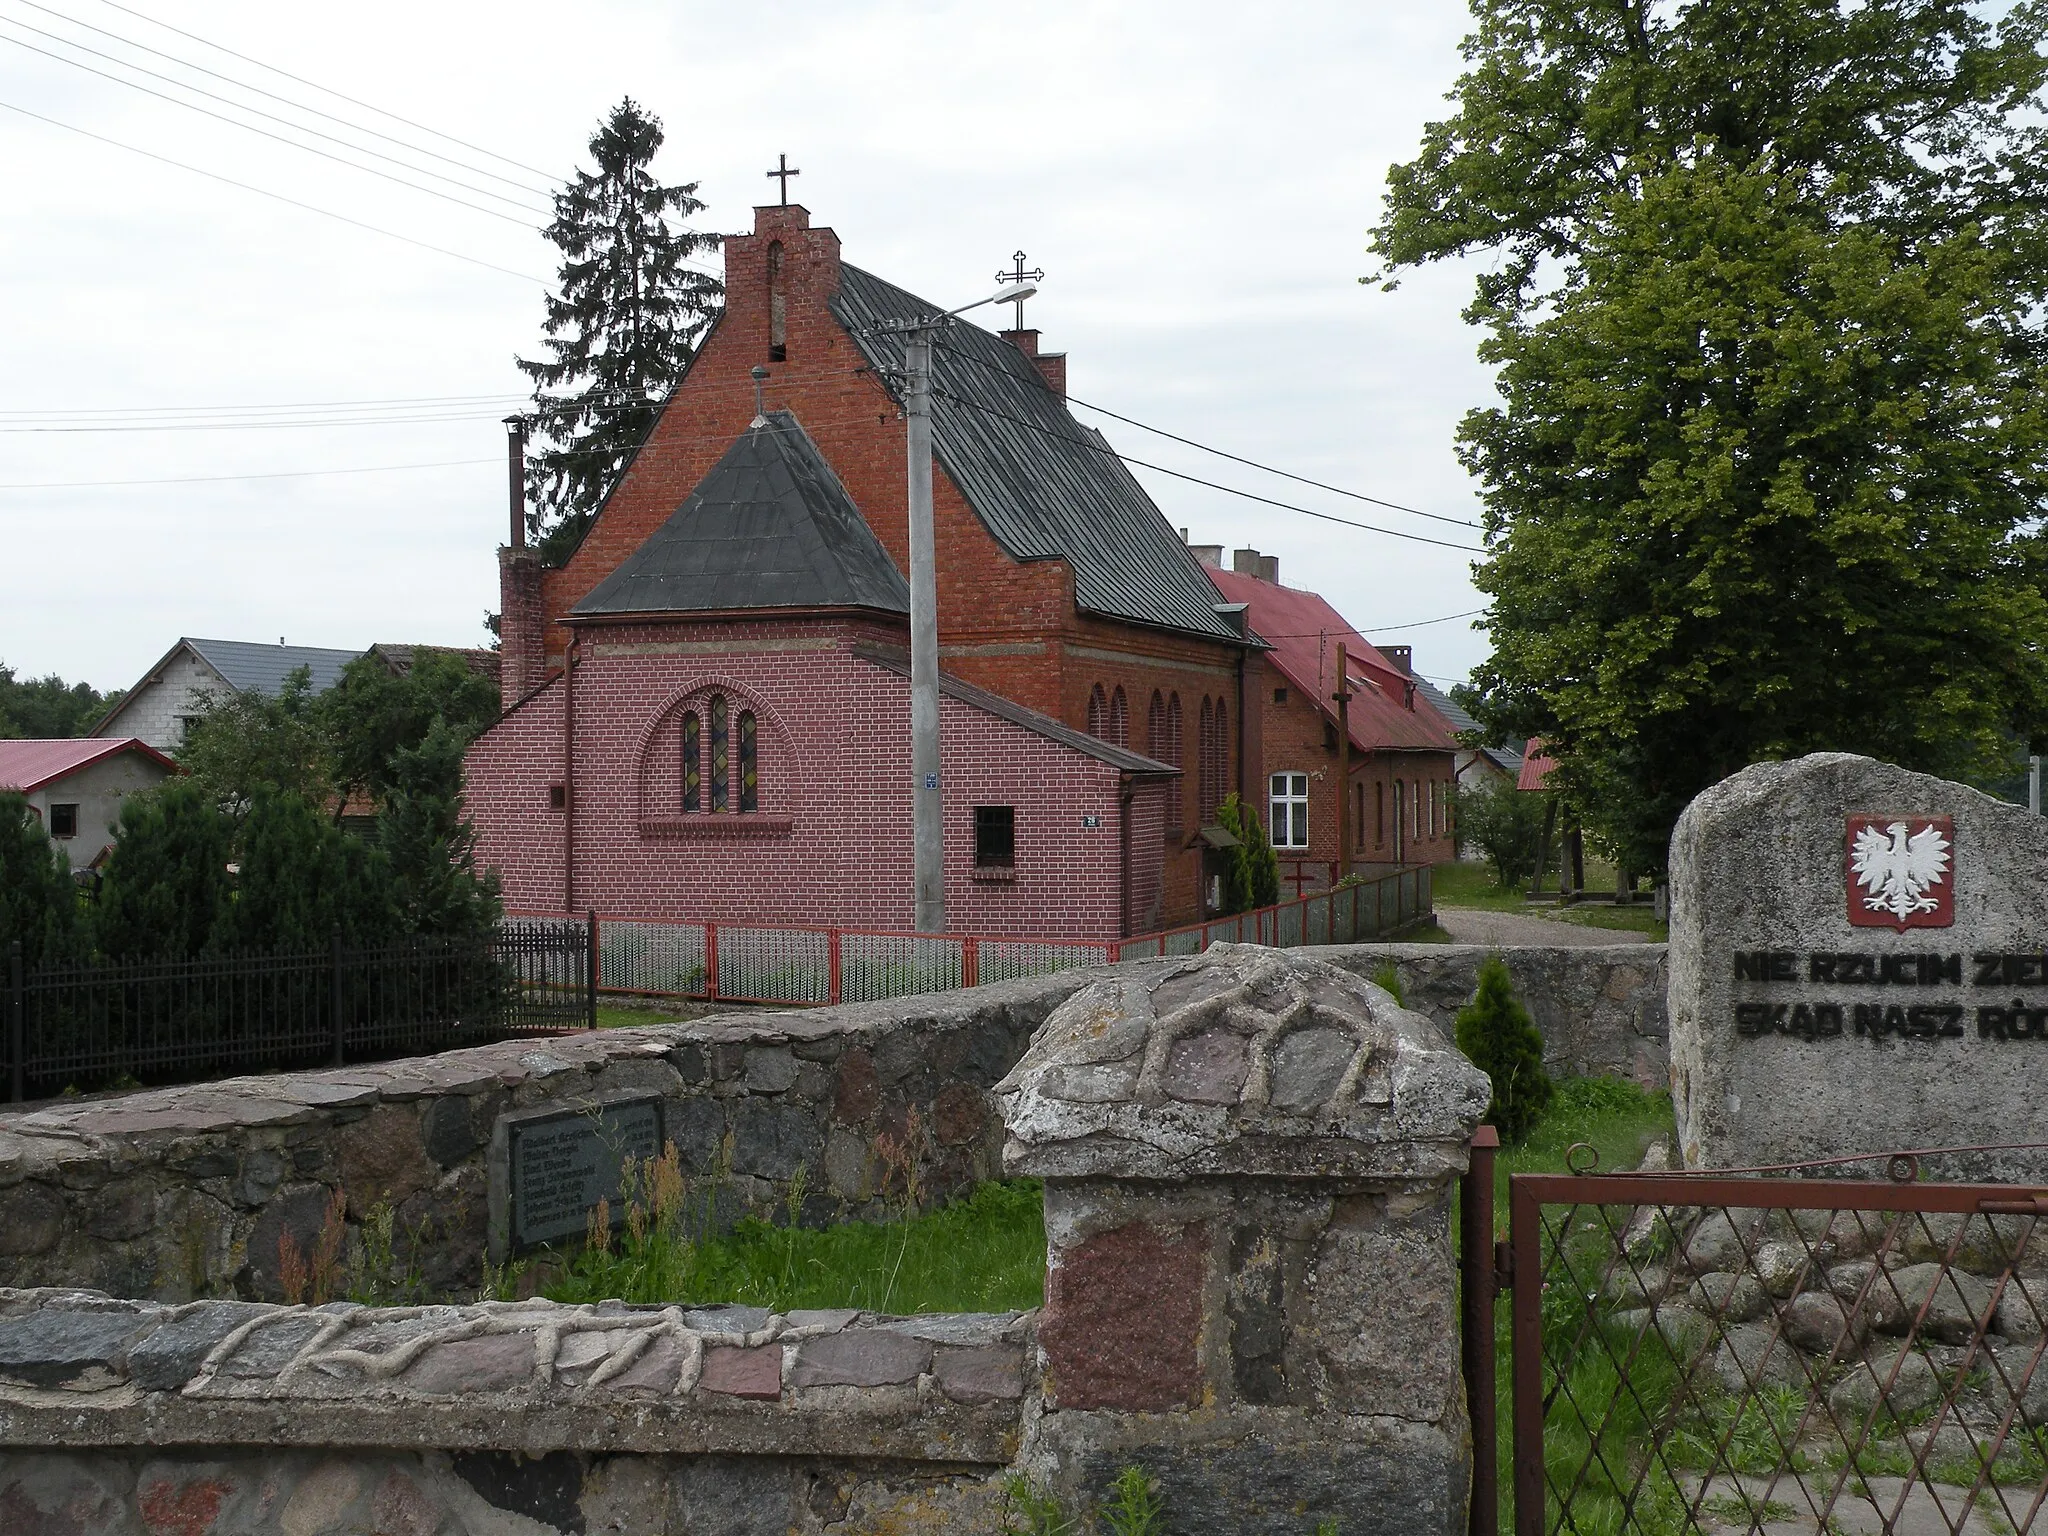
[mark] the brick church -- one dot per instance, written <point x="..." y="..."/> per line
<point x="707" y="705"/>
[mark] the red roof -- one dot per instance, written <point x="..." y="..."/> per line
<point x="29" y="765"/>
<point x="1386" y="713"/>
<point x="1536" y="765"/>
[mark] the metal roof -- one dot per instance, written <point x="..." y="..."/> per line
<point x="1303" y="631"/>
<point x="250" y="666"/>
<point x="27" y="765"/>
<point x="769" y="527"/>
<point x="1030" y="719"/>
<point x="1461" y="721"/>
<point x="1046" y="487"/>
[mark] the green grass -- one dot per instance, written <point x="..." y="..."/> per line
<point x="1615" y="1117"/>
<point x="1473" y="886"/>
<point x="983" y="1253"/>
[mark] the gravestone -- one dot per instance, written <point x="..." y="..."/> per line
<point x="1858" y="963"/>
<point x="550" y="1168"/>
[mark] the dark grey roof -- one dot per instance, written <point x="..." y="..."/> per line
<point x="1006" y="709"/>
<point x="248" y="665"/>
<point x="1045" y="486"/>
<point x="1461" y="721"/>
<point x="769" y="527"/>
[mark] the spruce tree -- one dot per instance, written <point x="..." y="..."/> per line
<point x="430" y="846"/>
<point x="38" y="902"/>
<point x="1497" y="1034"/>
<point x="167" y="880"/>
<point x="620" y="330"/>
<point x="300" y="878"/>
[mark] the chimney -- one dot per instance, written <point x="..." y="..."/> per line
<point x="1052" y="366"/>
<point x="522" y="625"/>
<point x="1269" y="569"/>
<point x="1210" y="555"/>
<point x="1402" y="657"/>
<point x="1249" y="562"/>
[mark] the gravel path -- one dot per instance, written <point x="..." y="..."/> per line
<point x="1472" y="925"/>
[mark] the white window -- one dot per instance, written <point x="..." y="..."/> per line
<point x="1290" y="810"/>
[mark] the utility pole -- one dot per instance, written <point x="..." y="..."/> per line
<point x="928" y="844"/>
<point x="1343" y="763"/>
<point x="928" y="804"/>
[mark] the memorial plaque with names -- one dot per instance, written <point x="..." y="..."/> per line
<point x="1858" y="963"/>
<point x="563" y="1164"/>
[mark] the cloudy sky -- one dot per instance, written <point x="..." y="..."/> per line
<point x="1196" y="178"/>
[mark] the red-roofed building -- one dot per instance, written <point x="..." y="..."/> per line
<point x="1403" y="753"/>
<point x="1536" y="766"/>
<point x="75" y="785"/>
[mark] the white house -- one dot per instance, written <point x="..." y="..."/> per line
<point x="161" y="707"/>
<point x="75" y="786"/>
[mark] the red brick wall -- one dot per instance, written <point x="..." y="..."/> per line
<point x="1006" y="625"/>
<point x="1297" y="739"/>
<point x="834" y="765"/>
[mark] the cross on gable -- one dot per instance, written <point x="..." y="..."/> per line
<point x="784" y="170"/>
<point x="1019" y="275"/>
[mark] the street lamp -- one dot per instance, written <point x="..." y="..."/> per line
<point x="929" y="846"/>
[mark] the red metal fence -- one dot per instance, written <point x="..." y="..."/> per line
<point x="761" y="963"/>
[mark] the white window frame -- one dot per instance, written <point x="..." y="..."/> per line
<point x="1287" y="809"/>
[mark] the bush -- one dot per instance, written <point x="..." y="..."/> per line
<point x="1253" y="876"/>
<point x="1496" y="1032"/>
<point x="166" y="883"/>
<point x="1503" y="823"/>
<point x="38" y="901"/>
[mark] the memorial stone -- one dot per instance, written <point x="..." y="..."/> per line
<point x="1858" y="963"/>
<point x="551" y="1168"/>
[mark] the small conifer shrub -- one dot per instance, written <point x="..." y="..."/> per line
<point x="1496" y="1032"/>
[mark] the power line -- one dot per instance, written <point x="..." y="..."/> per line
<point x="390" y="234"/>
<point x="330" y="91"/>
<point x="277" y="474"/>
<point x="183" y="63"/>
<point x="219" y="117"/>
<point x="1229" y="490"/>
<point x="1337" y="490"/>
<point x="1388" y="629"/>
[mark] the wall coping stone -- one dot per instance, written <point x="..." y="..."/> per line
<point x="78" y="1368"/>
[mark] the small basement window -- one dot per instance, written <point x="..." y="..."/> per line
<point x="558" y="797"/>
<point x="63" y="821"/>
<point x="995" y="837"/>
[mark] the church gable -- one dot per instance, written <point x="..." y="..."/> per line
<point x="769" y="527"/>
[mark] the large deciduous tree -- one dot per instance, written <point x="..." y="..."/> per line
<point x="1766" y="304"/>
<point x="621" y="328"/>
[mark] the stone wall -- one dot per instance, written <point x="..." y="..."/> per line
<point x="184" y="1192"/>
<point x="1247" y="1157"/>
<point x="1601" y="1009"/>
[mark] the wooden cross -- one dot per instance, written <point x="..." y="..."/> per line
<point x="784" y="170"/>
<point x="1020" y="276"/>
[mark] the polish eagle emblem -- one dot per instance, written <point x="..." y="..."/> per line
<point x="1899" y="868"/>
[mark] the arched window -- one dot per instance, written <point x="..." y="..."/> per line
<point x="1155" y="728"/>
<point x="693" y="762"/>
<point x="718" y="753"/>
<point x="778" y="334"/>
<point x="750" y="767"/>
<point x="1119" y="719"/>
<point x="1206" y="797"/>
<point x="1098" y="714"/>
<point x="1173" y="732"/>
<point x="1222" y="751"/>
<point x="1379" y="814"/>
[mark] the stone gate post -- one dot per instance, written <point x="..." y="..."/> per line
<point x="1248" y="1160"/>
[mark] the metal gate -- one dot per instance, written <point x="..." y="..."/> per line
<point x="1758" y="1352"/>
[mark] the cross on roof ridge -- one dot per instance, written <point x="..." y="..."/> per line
<point x="784" y="170"/>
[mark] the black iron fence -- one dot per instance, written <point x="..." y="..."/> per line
<point x="95" y="1025"/>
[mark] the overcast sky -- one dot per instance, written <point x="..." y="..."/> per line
<point x="1196" y="178"/>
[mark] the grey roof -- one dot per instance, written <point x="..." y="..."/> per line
<point x="250" y="666"/>
<point x="1045" y="486"/>
<point x="769" y="527"/>
<point x="1006" y="709"/>
<point x="1461" y="721"/>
